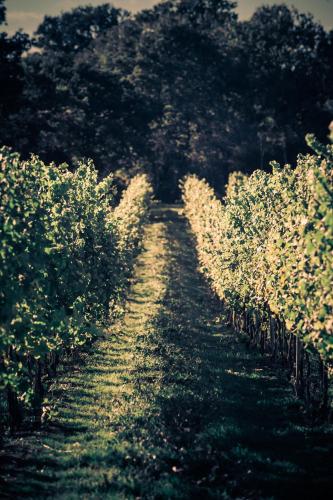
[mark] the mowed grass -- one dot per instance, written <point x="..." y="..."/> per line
<point x="171" y="404"/>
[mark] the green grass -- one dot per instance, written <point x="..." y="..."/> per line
<point x="170" y="403"/>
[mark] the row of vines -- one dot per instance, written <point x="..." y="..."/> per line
<point x="65" y="259"/>
<point x="267" y="250"/>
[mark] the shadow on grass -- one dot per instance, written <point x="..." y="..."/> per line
<point x="228" y="410"/>
<point x="176" y="407"/>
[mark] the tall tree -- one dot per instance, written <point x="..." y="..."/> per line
<point x="11" y="74"/>
<point x="289" y="60"/>
<point x="182" y="87"/>
<point x="2" y="11"/>
<point x="55" y="104"/>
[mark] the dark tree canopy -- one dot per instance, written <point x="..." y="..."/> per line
<point x="74" y="31"/>
<point x="2" y="11"/>
<point x="182" y="87"/>
<point x="12" y="79"/>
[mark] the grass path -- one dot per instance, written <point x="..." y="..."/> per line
<point x="170" y="403"/>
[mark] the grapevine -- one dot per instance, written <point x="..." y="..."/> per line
<point x="65" y="260"/>
<point x="267" y="249"/>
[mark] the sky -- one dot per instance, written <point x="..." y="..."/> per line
<point x="27" y="14"/>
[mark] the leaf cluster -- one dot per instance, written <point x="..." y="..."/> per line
<point x="268" y="246"/>
<point x="65" y="259"/>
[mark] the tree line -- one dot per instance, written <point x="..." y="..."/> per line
<point x="182" y="87"/>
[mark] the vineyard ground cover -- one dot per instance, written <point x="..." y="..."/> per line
<point x="170" y="403"/>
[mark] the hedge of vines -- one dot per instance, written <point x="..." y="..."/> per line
<point x="65" y="259"/>
<point x="267" y="249"/>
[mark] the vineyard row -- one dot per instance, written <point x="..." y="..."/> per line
<point x="267" y="250"/>
<point x="65" y="259"/>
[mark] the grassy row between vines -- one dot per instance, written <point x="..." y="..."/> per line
<point x="267" y="250"/>
<point x="65" y="259"/>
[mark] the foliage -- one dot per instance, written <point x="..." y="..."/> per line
<point x="2" y="11"/>
<point x="268" y="247"/>
<point x="73" y="31"/>
<point x="177" y="407"/>
<point x="62" y="258"/>
<point x="11" y="71"/>
<point x="129" y="215"/>
<point x="182" y="87"/>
